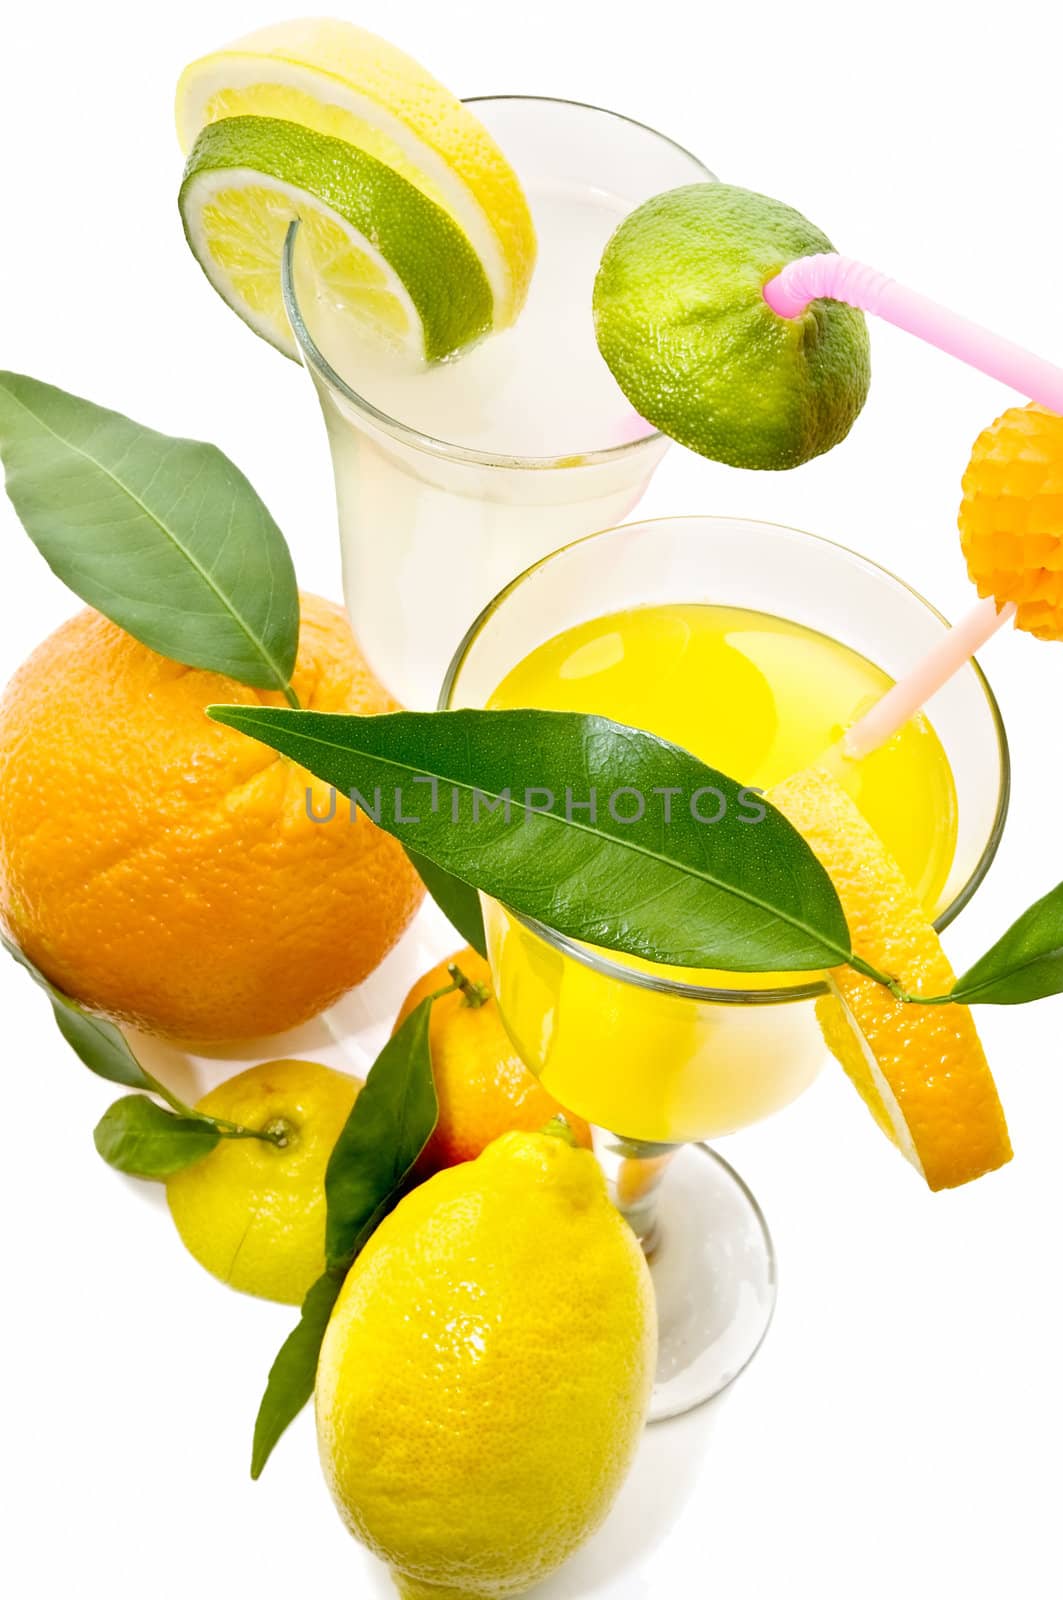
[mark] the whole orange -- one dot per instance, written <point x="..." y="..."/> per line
<point x="165" y="870"/>
<point x="482" y="1085"/>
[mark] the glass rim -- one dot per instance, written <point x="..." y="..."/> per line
<point x="319" y="365"/>
<point x="601" y="961"/>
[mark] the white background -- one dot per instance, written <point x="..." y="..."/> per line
<point x="899" y="1432"/>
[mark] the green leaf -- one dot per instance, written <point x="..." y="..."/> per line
<point x="1025" y="964"/>
<point x="369" y="1171"/>
<point x="390" y="1124"/>
<point x="100" y="1044"/>
<point x="165" y="536"/>
<point x="458" y="901"/>
<point x="141" y="1138"/>
<point x="742" y="894"/>
<point x="291" y="1377"/>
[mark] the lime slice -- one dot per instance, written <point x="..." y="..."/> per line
<point x="337" y="79"/>
<point x="391" y="261"/>
<point x="683" y="324"/>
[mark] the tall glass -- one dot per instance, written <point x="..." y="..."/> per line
<point x="719" y="1058"/>
<point x="431" y="527"/>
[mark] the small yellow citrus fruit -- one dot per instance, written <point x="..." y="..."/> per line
<point x="253" y="1212"/>
<point x="485" y="1376"/>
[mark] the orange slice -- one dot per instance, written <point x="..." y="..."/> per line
<point x="920" y="1070"/>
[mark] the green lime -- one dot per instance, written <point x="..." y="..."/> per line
<point x="682" y="322"/>
<point x="388" y="257"/>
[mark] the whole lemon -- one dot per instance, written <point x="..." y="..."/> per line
<point x="166" y="870"/>
<point x="252" y="1212"/>
<point x="482" y="1085"/>
<point x="485" y="1376"/>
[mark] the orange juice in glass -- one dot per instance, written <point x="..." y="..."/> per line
<point x="753" y="646"/>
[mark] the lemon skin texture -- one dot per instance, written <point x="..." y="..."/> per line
<point x="253" y="1212"/>
<point x="484" y="1379"/>
<point x="682" y="322"/>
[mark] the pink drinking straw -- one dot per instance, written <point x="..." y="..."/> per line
<point x="833" y="277"/>
<point x="912" y="692"/>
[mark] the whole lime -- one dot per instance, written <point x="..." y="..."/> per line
<point x="682" y="322"/>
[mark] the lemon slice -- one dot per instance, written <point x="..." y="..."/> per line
<point x="392" y="261"/>
<point x="341" y="80"/>
<point x="920" y="1069"/>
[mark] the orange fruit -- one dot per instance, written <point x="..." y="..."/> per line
<point x="163" y="869"/>
<point x="483" y="1087"/>
<point x="1011" y="517"/>
<point x="920" y="1070"/>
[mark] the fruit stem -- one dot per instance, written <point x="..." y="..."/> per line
<point x="559" y="1127"/>
<point x="279" y="1131"/>
<point x="276" y="1133"/>
<point x="473" y="994"/>
<point x="228" y="1130"/>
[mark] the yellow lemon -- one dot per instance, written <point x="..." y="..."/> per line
<point x="485" y="1376"/>
<point x="253" y="1212"/>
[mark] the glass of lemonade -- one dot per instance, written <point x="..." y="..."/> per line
<point x="451" y="480"/>
<point x="754" y="646"/>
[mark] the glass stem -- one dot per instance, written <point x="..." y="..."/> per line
<point x="634" y="1170"/>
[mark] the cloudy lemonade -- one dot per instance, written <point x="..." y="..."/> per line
<point x="512" y="448"/>
<point x="457" y="531"/>
<point x="759" y="698"/>
<point x="539" y="388"/>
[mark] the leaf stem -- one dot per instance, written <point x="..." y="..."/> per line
<point x="895" y="988"/>
<point x="927" y="999"/>
<point x="866" y="970"/>
<point x="228" y="1130"/>
<point x="170" y="1098"/>
<point x="291" y="697"/>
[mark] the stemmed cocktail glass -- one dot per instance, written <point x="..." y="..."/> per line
<point x="664" y="1063"/>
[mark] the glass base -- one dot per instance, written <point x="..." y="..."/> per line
<point x="713" y="1268"/>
